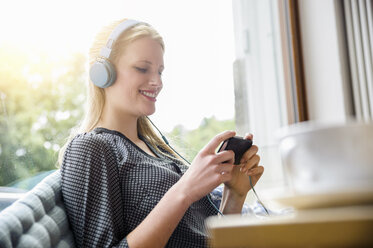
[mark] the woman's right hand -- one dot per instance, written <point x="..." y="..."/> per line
<point x="208" y="169"/>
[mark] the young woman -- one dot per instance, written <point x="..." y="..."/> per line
<point x="121" y="184"/>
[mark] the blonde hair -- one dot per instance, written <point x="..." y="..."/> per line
<point x="96" y="95"/>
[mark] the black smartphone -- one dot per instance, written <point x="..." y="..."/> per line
<point x="238" y="145"/>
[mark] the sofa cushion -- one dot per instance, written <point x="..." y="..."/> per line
<point x="38" y="219"/>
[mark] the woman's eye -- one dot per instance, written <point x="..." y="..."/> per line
<point x="142" y="70"/>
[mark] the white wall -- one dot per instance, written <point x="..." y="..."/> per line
<point x="324" y="53"/>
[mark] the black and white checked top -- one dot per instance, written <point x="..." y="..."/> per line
<point x="109" y="185"/>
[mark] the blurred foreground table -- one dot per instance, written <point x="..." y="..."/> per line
<point x="328" y="227"/>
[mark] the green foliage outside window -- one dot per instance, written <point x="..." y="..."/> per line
<point x="41" y="100"/>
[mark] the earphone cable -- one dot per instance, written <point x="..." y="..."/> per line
<point x="166" y="141"/>
<point x="257" y="197"/>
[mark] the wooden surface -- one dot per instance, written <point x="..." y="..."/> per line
<point x="328" y="227"/>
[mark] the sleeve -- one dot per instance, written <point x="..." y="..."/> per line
<point x="216" y="196"/>
<point x="92" y="193"/>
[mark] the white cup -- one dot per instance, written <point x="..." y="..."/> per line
<point x="328" y="157"/>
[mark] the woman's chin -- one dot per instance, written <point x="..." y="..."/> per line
<point x="149" y="112"/>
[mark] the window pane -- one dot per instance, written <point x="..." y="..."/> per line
<point x="259" y="73"/>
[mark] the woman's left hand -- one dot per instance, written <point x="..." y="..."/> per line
<point x="249" y="166"/>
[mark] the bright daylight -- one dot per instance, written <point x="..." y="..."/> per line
<point x="199" y="123"/>
<point x="44" y="74"/>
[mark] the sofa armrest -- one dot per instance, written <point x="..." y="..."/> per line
<point x="38" y="219"/>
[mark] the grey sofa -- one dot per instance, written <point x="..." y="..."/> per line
<point x="38" y="219"/>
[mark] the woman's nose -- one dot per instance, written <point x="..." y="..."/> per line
<point x="156" y="80"/>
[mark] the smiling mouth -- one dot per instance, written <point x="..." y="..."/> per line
<point x="149" y="94"/>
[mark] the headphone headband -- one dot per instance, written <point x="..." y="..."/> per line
<point x="106" y="50"/>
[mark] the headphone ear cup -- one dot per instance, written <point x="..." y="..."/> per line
<point x="102" y="73"/>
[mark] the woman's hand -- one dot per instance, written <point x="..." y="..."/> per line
<point x="249" y="166"/>
<point x="208" y="169"/>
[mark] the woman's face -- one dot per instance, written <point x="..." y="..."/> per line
<point x="139" y="80"/>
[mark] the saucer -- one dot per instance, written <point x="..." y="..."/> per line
<point x="327" y="199"/>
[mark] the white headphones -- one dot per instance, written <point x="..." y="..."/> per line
<point x="102" y="73"/>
